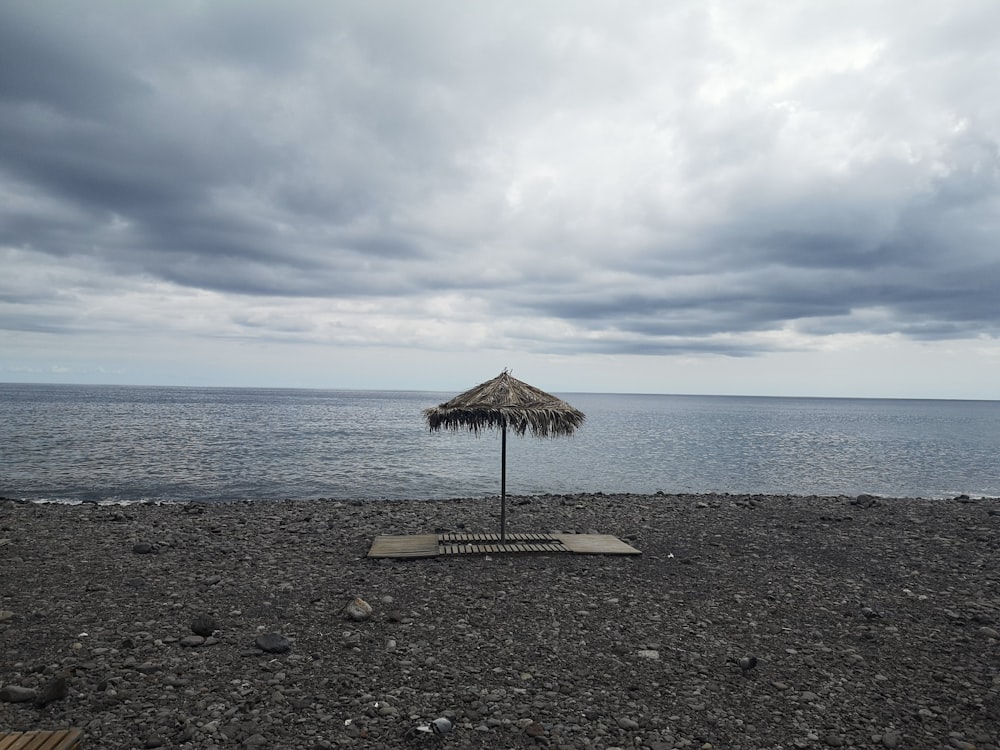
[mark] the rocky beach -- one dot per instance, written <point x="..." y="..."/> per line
<point x="748" y="622"/>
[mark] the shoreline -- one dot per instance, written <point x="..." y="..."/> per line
<point x="734" y="496"/>
<point x="874" y="622"/>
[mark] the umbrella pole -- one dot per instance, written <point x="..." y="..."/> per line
<point x="503" y="485"/>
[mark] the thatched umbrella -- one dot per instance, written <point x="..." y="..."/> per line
<point x="505" y="403"/>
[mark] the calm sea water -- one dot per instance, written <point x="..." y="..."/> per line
<point x="110" y="443"/>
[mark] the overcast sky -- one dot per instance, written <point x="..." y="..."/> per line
<point x="702" y="196"/>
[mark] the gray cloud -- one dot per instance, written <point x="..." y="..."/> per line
<point x="658" y="180"/>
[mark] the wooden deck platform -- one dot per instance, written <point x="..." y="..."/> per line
<point x="62" y="739"/>
<point x="432" y="545"/>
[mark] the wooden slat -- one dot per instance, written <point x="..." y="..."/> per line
<point x="421" y="545"/>
<point x="62" y="739"/>
<point x="452" y="543"/>
<point x="596" y="544"/>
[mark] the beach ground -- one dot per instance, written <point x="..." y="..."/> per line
<point x="869" y="622"/>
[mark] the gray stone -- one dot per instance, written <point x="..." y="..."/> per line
<point x="628" y="724"/>
<point x="890" y="740"/>
<point x="142" y="548"/>
<point x="203" y="625"/>
<point x="54" y="690"/>
<point x="191" y="641"/>
<point x="358" y="610"/>
<point x="16" y="694"/>
<point x="534" y="729"/>
<point x="273" y="643"/>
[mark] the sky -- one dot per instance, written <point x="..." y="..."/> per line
<point x="787" y="197"/>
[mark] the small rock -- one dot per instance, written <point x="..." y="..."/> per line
<point x="203" y="625"/>
<point x="190" y="641"/>
<point x="989" y="632"/>
<point x="154" y="741"/>
<point x="142" y="548"/>
<point x="834" y="740"/>
<point x="747" y="663"/>
<point x="534" y="729"/>
<point x="890" y="740"/>
<point x="358" y="610"/>
<point x="6" y="614"/>
<point x="628" y="724"/>
<point x="16" y="694"/>
<point x="55" y="690"/>
<point x="273" y="643"/>
<point x="649" y="653"/>
<point x="441" y="725"/>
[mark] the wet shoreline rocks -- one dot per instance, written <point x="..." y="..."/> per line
<point x="748" y="622"/>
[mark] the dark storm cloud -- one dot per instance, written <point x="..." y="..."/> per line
<point x="203" y="198"/>
<point x="811" y="171"/>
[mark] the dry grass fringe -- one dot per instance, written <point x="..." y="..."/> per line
<point x="507" y="402"/>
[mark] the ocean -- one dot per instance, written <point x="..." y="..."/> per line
<point x="65" y="443"/>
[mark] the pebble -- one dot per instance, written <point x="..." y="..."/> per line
<point x="204" y="625"/>
<point x="16" y="694"/>
<point x="54" y="690"/>
<point x="358" y="610"/>
<point x="759" y="583"/>
<point x="534" y="729"/>
<point x="273" y="643"/>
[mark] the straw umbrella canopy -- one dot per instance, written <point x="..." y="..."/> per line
<point x="505" y="403"/>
